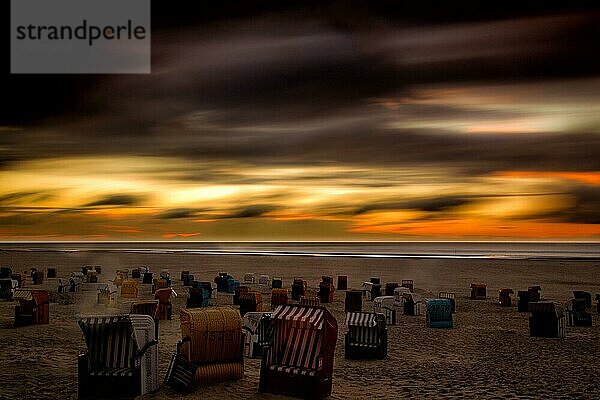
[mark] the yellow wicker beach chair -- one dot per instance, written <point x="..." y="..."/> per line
<point x="130" y="289"/>
<point x="211" y="349"/>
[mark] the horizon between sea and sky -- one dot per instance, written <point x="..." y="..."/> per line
<point x="374" y="122"/>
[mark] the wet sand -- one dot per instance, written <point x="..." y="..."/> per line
<point x="488" y="354"/>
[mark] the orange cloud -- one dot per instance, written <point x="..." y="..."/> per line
<point x="589" y="178"/>
<point x="183" y="235"/>
<point x="481" y="228"/>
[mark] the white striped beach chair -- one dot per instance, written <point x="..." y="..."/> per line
<point x="258" y="333"/>
<point x="385" y="305"/>
<point x="366" y="335"/>
<point x="121" y="359"/>
<point x="299" y="363"/>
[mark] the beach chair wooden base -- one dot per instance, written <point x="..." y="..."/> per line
<point x="296" y="385"/>
<point x="105" y="387"/>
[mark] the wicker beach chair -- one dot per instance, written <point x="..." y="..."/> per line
<point x="279" y="297"/>
<point x="371" y="290"/>
<point x="375" y="280"/>
<point x="478" y="291"/>
<point x="223" y="282"/>
<point x="7" y="288"/>
<point x="390" y="287"/>
<point x="121" y="359"/>
<point x="17" y="277"/>
<point x="91" y="276"/>
<point x="412" y="304"/>
<point x="188" y="279"/>
<point x="523" y="301"/>
<point x="342" y="282"/>
<point x="534" y="293"/>
<point x="504" y="298"/>
<point x="51" y="273"/>
<point x="577" y="312"/>
<point x="439" y="313"/>
<point x="385" y="305"/>
<point x="250" y="302"/>
<point x="147" y="278"/>
<point x="258" y="333"/>
<point x="106" y="294"/>
<point x="118" y="280"/>
<point x="264" y="280"/>
<point x="33" y="308"/>
<point x="130" y="289"/>
<point x="5" y="272"/>
<point x="238" y="291"/>
<point x="408" y="283"/>
<point x="353" y="300"/>
<point x="249" y="278"/>
<point x="183" y="275"/>
<point x="276" y="282"/>
<point x="314" y="301"/>
<point x="366" y="336"/>
<point x="211" y="349"/>
<point x="136" y="273"/>
<point x="198" y="297"/>
<point x="149" y="308"/>
<point x="299" y="363"/>
<point x="326" y="291"/>
<point x="547" y="320"/>
<point x="450" y="296"/>
<point x="298" y="288"/>
<point x="399" y="296"/>
<point x="37" y="276"/>
<point x="160" y="283"/>
<point x="165" y="306"/>
<point x="586" y="296"/>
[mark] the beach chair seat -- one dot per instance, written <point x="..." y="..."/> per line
<point x="439" y="313"/>
<point x="7" y="288"/>
<point x="106" y="294"/>
<point x="310" y="301"/>
<point x="183" y="275"/>
<point x="385" y="305"/>
<point x="366" y="336"/>
<point x="249" y="278"/>
<point x="353" y="300"/>
<point x="5" y="272"/>
<point x="535" y="293"/>
<point x="478" y="291"/>
<point x="130" y="289"/>
<point x="412" y="304"/>
<point x="586" y="296"/>
<point x="577" y="314"/>
<point x="33" y="308"/>
<point x="389" y="288"/>
<point x="165" y="306"/>
<point x="547" y="319"/>
<point x="279" y="297"/>
<point x="238" y="291"/>
<point x="121" y="359"/>
<point x="399" y="296"/>
<point x="212" y="341"/>
<point x="250" y="302"/>
<point x="450" y="296"/>
<point x="342" y="282"/>
<point x="147" y="278"/>
<point x="299" y="287"/>
<point x="408" y="283"/>
<point x="326" y="291"/>
<point x="504" y="298"/>
<point x="276" y="282"/>
<point x="258" y="333"/>
<point x="264" y="280"/>
<point x="198" y="297"/>
<point x="299" y="362"/>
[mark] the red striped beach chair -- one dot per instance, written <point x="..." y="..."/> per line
<point x="299" y="363"/>
<point x="33" y="308"/>
<point x="366" y="335"/>
<point x="121" y="359"/>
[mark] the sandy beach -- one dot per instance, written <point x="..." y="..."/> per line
<point x="488" y="354"/>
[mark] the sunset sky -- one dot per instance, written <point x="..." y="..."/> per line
<point x="330" y="121"/>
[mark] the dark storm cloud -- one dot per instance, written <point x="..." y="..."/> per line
<point x="116" y="200"/>
<point x="435" y="204"/>
<point x="178" y="213"/>
<point x="252" y="211"/>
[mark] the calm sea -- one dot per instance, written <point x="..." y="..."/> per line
<point x="508" y="250"/>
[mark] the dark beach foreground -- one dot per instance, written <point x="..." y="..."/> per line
<point x="488" y="354"/>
